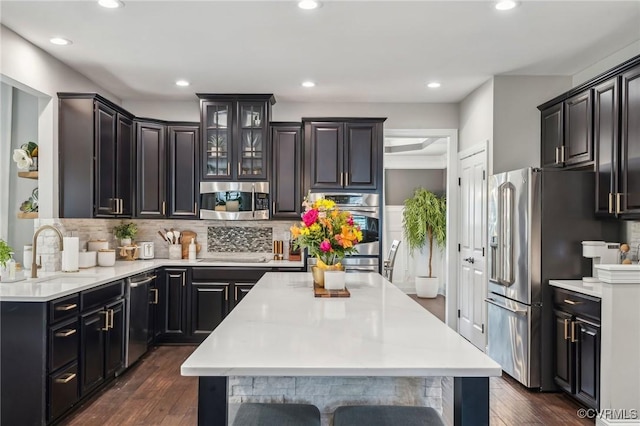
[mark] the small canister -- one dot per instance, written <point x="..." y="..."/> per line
<point x="27" y="257"/>
<point x="106" y="257"/>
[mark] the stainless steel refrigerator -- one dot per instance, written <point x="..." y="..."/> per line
<point x="536" y="222"/>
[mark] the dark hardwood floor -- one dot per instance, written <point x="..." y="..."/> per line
<point x="154" y="393"/>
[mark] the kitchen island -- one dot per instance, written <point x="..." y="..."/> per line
<point x="280" y="330"/>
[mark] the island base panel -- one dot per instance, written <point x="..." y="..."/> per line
<point x="212" y="401"/>
<point x="471" y="401"/>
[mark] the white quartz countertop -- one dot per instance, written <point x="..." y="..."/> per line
<point x="50" y="286"/>
<point x="595" y="289"/>
<point x="281" y="329"/>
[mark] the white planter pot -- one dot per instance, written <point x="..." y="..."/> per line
<point x="334" y="280"/>
<point x="125" y="242"/>
<point x="426" y="287"/>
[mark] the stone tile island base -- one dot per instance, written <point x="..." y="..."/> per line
<point x="328" y="393"/>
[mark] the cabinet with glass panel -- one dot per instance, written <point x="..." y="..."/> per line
<point x="235" y="136"/>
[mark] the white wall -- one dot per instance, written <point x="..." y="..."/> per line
<point x="399" y="115"/>
<point x="34" y="71"/>
<point x="607" y="63"/>
<point x="476" y="117"/>
<point x="516" y="119"/>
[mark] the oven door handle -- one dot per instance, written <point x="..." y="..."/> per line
<point x="361" y="268"/>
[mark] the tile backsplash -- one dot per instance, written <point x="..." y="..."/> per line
<point x="239" y="239"/>
<point x="631" y="236"/>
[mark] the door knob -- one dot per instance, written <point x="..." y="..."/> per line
<point x="469" y="259"/>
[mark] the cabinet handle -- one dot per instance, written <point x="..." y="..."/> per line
<point x="341" y="179"/>
<point x="121" y="206"/>
<point x="618" y="202"/>
<point x="573" y="332"/>
<point x="114" y="208"/>
<point x="66" y="333"/>
<point x="235" y="289"/>
<point x="112" y="314"/>
<point x="566" y="329"/>
<point x="572" y="302"/>
<point x="226" y="293"/>
<point x="164" y="208"/>
<point x="183" y="280"/>
<point x="557" y="155"/>
<point x="228" y="169"/>
<point x="195" y="209"/>
<point x="562" y="157"/>
<point x="239" y="168"/>
<point x="155" y="296"/>
<point x="66" y="378"/>
<point x="346" y="178"/>
<point x="106" y="321"/>
<point x="65" y="308"/>
<point x="611" y="202"/>
<point x="273" y="207"/>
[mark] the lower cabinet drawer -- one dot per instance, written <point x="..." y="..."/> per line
<point x="63" y="344"/>
<point x="63" y="390"/>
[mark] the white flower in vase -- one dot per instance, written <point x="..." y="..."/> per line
<point x="22" y="158"/>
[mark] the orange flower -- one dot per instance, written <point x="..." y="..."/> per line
<point x="295" y="231"/>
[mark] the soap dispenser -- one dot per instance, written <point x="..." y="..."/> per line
<point x="192" y="250"/>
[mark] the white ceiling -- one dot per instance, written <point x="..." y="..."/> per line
<point x="359" y="51"/>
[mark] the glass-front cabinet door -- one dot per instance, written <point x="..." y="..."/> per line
<point x="251" y="147"/>
<point x="218" y="128"/>
<point x="235" y="137"/>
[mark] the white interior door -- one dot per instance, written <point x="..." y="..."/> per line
<point x="471" y="256"/>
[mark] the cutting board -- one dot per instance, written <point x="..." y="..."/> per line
<point x="186" y="237"/>
<point x="323" y="292"/>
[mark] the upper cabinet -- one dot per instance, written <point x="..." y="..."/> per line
<point x="96" y="152"/>
<point x="599" y="121"/>
<point x="151" y="160"/>
<point x="343" y="153"/>
<point x="566" y="131"/>
<point x="182" y="185"/>
<point x="286" y="163"/>
<point x="235" y="135"/>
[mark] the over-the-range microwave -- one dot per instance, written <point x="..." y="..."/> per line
<point x="234" y="200"/>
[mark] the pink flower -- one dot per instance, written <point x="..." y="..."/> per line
<point x="350" y="221"/>
<point x="310" y="217"/>
<point x="325" y="246"/>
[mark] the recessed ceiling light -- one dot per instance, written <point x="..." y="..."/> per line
<point x="60" y="41"/>
<point x="182" y="83"/>
<point x="308" y="84"/>
<point x="111" y="4"/>
<point x="433" y="85"/>
<point x="308" y="4"/>
<point x="506" y="4"/>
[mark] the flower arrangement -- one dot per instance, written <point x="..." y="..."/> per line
<point x="328" y="233"/>
<point x="25" y="156"/>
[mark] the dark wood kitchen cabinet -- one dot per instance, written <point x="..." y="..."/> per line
<point x="235" y="136"/>
<point x="102" y="335"/>
<point x="95" y="157"/>
<point x="151" y="160"/>
<point x="174" y="294"/>
<point x="286" y="157"/>
<point x="566" y="131"/>
<point x="577" y="346"/>
<point x="182" y="186"/>
<point x="209" y="306"/>
<point x="343" y="153"/>
<point x="617" y="143"/>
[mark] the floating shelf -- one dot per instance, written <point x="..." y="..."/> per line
<point x="29" y="175"/>
<point x="29" y="215"/>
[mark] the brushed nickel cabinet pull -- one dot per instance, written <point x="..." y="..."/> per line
<point x="106" y="321"/>
<point x="155" y="296"/>
<point x="346" y="178"/>
<point x="121" y="206"/>
<point x="236" y="293"/>
<point x="618" y="202"/>
<point x="562" y="156"/>
<point x="183" y="280"/>
<point x="572" y="302"/>
<point x="240" y="168"/>
<point x="164" y="208"/>
<point x="341" y="179"/>
<point x="66" y="378"/>
<point x="611" y="202"/>
<point x="66" y="307"/>
<point x="195" y="208"/>
<point x="226" y="293"/>
<point x="112" y="314"/>
<point x="273" y="207"/>
<point x="557" y="155"/>
<point x="66" y="333"/>
<point x="566" y="329"/>
<point x="573" y="332"/>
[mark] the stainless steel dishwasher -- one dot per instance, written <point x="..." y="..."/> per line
<point x="137" y="316"/>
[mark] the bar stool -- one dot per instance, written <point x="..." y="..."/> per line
<point x="391" y="259"/>
<point x="386" y="415"/>
<point x="263" y="414"/>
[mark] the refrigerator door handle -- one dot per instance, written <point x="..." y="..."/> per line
<point x="505" y="233"/>
<point x="515" y="311"/>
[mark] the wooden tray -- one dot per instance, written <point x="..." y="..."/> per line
<point x="322" y="292"/>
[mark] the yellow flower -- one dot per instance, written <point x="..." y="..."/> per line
<point x="315" y="227"/>
<point x="304" y="231"/>
<point x="324" y="204"/>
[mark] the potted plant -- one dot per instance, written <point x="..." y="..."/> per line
<point x="424" y="220"/>
<point x="125" y="232"/>
<point x="5" y="255"/>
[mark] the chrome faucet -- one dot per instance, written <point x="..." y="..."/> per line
<point x="34" y="263"/>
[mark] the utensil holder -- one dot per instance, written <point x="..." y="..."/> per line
<point x="175" y="252"/>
